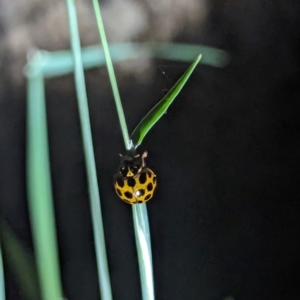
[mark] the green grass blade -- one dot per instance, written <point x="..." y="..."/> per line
<point x="2" y="282"/>
<point x="161" y="107"/>
<point x="187" y="52"/>
<point x="140" y="215"/>
<point x="112" y="76"/>
<point x="61" y="62"/>
<point x="143" y="246"/>
<point x="99" y="238"/>
<point x="39" y="185"/>
<point x="21" y="263"/>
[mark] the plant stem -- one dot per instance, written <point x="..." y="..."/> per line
<point x="112" y="76"/>
<point x="61" y="62"/>
<point x="2" y="282"/>
<point x="139" y="211"/>
<point x="39" y="185"/>
<point x="103" y="271"/>
<point x="143" y="246"/>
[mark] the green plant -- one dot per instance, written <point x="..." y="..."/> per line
<point x="2" y="284"/>
<point x="20" y="262"/>
<point x="139" y="211"/>
<point x="44" y="64"/>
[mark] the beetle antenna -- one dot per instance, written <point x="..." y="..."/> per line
<point x="144" y="155"/>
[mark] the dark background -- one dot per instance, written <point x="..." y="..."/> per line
<point x="225" y="218"/>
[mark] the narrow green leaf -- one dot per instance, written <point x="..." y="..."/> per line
<point x="61" y="62"/>
<point x="143" y="247"/>
<point x="112" y="76"/>
<point x="161" y="107"/>
<point x="39" y="185"/>
<point x="20" y="262"/>
<point x="94" y="195"/>
<point x="186" y="52"/>
<point x="2" y="282"/>
<point x="139" y="212"/>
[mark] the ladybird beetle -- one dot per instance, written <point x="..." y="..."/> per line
<point x="134" y="182"/>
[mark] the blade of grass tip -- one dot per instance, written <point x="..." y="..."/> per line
<point x="143" y="245"/>
<point x="102" y="265"/>
<point x="39" y="185"/>
<point x="2" y="282"/>
<point x="112" y="76"/>
<point x="186" y="52"/>
<point x="161" y="107"/>
<point x="20" y="262"/>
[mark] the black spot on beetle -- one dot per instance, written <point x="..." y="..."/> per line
<point x="154" y="179"/>
<point x="131" y="182"/>
<point x="140" y="201"/>
<point x="149" y="174"/>
<point x="128" y="195"/>
<point x="148" y="197"/>
<point x="143" y="178"/>
<point x="140" y="193"/>
<point x="119" y="192"/>
<point x="149" y="187"/>
<point x="120" y="182"/>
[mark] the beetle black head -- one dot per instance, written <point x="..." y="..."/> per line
<point x="132" y="164"/>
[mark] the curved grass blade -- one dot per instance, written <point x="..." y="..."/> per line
<point x="60" y="63"/>
<point x="20" y="262"/>
<point x="99" y="238"/>
<point x="161" y="107"/>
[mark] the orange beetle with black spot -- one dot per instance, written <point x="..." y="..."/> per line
<point x="134" y="182"/>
